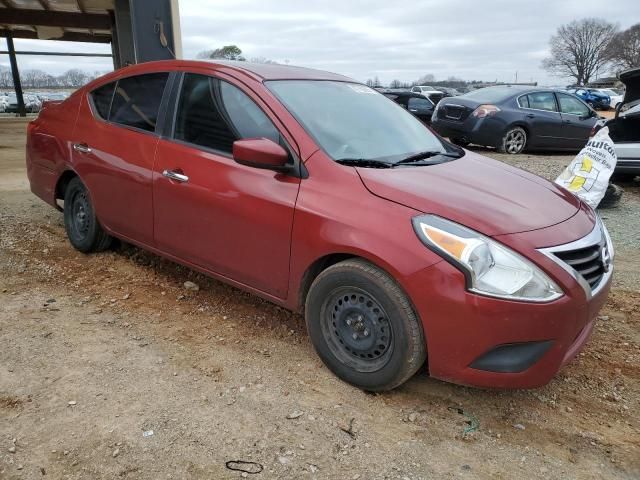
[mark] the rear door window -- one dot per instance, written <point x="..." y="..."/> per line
<point x="101" y="98"/>
<point x="136" y="101"/>
<point x="213" y="113"/>
<point x="572" y="105"/>
<point x="542" y="101"/>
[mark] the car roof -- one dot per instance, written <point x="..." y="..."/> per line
<point x="257" y="71"/>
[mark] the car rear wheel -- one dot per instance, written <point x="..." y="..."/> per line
<point x="80" y="221"/>
<point x="513" y="141"/>
<point x="363" y="326"/>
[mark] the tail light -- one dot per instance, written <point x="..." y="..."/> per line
<point x="485" y="111"/>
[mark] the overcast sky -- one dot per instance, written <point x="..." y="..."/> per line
<point x="487" y="40"/>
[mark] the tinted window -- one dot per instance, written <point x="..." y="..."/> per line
<point x="491" y="94"/>
<point x="102" y="99"/>
<point x="137" y="100"/>
<point x="214" y="114"/>
<point x="419" y="103"/>
<point x="542" y="101"/>
<point x="572" y="105"/>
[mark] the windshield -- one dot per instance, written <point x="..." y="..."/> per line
<point x="352" y="121"/>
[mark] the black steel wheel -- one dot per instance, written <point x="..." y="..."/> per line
<point x="363" y="326"/>
<point x="357" y="329"/>
<point x="82" y="226"/>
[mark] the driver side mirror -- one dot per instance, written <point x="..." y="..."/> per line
<point x="260" y="153"/>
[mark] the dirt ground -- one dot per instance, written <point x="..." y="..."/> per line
<point x="97" y="351"/>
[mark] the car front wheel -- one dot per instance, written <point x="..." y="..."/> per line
<point x="80" y="221"/>
<point x="513" y="141"/>
<point x="363" y="326"/>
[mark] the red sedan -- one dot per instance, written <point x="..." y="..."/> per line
<point x="323" y="196"/>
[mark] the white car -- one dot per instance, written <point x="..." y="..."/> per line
<point x="431" y="93"/>
<point x="616" y="97"/>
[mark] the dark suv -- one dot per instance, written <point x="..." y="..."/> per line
<point x="512" y="118"/>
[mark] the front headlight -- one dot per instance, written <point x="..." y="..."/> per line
<point x="490" y="268"/>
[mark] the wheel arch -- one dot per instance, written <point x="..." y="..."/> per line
<point x="61" y="185"/>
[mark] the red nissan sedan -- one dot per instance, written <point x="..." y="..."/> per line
<point x="321" y="195"/>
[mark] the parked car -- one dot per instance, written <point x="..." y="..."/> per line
<point x="4" y="102"/>
<point x="449" y="92"/>
<point x="31" y="103"/>
<point x="624" y="128"/>
<point x="513" y="119"/>
<point x="319" y="194"/>
<point x="416" y="103"/>
<point x="615" y="97"/>
<point x="592" y="97"/>
<point x="430" y="92"/>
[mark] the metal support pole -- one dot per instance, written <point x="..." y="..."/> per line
<point x="16" y="75"/>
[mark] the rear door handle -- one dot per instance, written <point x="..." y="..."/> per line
<point x="531" y="115"/>
<point x="81" y="147"/>
<point x="177" y="176"/>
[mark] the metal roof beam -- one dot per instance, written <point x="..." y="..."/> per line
<point x="67" y="36"/>
<point x="50" y="18"/>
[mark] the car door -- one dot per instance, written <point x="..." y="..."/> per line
<point x="540" y="112"/>
<point x="577" y="120"/>
<point x="212" y="212"/>
<point x="114" y="148"/>
<point x="421" y="108"/>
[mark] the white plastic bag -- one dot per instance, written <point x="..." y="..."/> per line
<point x="587" y="176"/>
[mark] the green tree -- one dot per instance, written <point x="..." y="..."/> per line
<point x="228" y="52"/>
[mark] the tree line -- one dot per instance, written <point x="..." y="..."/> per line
<point x="35" y="78"/>
<point x="592" y="47"/>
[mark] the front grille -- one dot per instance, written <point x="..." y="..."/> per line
<point x="587" y="262"/>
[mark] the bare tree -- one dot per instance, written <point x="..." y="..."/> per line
<point x="263" y="60"/>
<point x="423" y="80"/>
<point x="624" y="48"/>
<point x="578" y="49"/>
<point x="370" y="83"/>
<point x="6" y="80"/>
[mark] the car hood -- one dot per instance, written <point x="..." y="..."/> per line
<point x="488" y="196"/>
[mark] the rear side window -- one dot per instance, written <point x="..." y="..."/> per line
<point x="542" y="101"/>
<point x="523" y="101"/>
<point x="101" y="98"/>
<point x="136" y="101"/>
<point x="213" y="114"/>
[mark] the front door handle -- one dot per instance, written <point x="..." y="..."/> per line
<point x="81" y="147"/>
<point x="177" y="176"/>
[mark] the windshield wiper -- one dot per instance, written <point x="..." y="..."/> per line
<point x="364" y="162"/>
<point x="424" y="155"/>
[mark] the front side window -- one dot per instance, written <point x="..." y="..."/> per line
<point x="213" y="113"/>
<point x="353" y="121"/>
<point x="101" y="98"/>
<point x="136" y="101"/>
<point x="572" y="105"/>
<point x="542" y="101"/>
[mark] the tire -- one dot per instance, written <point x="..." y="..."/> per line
<point x="459" y="141"/>
<point x="612" y="196"/>
<point x="80" y="221"/>
<point x="363" y="326"/>
<point x="514" y="141"/>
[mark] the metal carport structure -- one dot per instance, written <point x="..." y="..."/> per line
<point x="138" y="30"/>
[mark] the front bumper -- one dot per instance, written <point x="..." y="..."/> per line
<point x="476" y="340"/>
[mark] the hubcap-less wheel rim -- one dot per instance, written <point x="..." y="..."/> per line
<point x="515" y="141"/>
<point x="80" y="215"/>
<point x="357" y="329"/>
